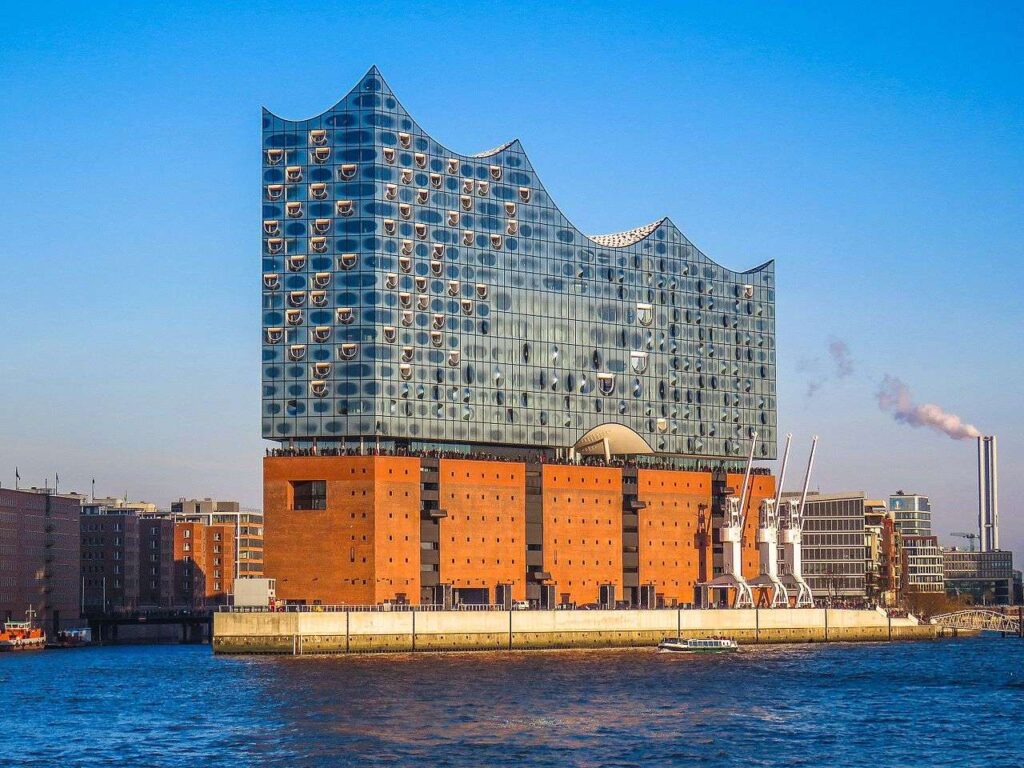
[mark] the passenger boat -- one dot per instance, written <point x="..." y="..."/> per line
<point x="72" y="638"/>
<point x="21" y="636"/>
<point x="711" y="645"/>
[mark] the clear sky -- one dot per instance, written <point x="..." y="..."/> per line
<point x="875" y="151"/>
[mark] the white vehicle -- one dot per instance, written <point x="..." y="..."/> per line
<point x="520" y="605"/>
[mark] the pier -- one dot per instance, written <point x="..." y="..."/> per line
<point x="341" y="630"/>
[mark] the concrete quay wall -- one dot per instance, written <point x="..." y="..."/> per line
<point x="409" y="631"/>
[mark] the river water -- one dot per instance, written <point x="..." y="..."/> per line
<point x="949" y="702"/>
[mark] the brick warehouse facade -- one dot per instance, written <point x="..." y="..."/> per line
<point x="371" y="529"/>
<point x="40" y="552"/>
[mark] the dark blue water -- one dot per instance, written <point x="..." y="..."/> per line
<point x="952" y="702"/>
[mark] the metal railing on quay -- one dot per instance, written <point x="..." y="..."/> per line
<point x="407" y="607"/>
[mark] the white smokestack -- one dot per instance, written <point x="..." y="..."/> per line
<point x="894" y="397"/>
<point x="988" y="493"/>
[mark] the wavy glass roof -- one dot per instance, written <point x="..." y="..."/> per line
<point x="611" y="240"/>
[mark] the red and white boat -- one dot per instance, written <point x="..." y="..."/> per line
<point x="22" y="636"/>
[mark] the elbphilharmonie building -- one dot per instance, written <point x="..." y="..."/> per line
<point x="413" y="295"/>
<point x="477" y="403"/>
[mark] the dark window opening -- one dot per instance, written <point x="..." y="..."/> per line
<point x="309" y="494"/>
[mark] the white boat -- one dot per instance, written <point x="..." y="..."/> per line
<point x="711" y="645"/>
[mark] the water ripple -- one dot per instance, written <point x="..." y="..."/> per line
<point x="874" y="705"/>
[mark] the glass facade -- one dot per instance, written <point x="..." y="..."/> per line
<point x="834" y="546"/>
<point x="411" y="293"/>
<point x="913" y="513"/>
<point x="923" y="569"/>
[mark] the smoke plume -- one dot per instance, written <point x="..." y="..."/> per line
<point x="842" y="360"/>
<point x="840" y="353"/>
<point x="894" y="397"/>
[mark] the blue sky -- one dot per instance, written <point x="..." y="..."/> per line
<point x="875" y="151"/>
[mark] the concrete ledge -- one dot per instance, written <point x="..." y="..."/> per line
<point x="409" y="631"/>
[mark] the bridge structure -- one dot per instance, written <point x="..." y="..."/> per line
<point x="193" y="626"/>
<point x="981" y="620"/>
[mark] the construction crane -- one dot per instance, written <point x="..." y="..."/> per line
<point x="971" y="537"/>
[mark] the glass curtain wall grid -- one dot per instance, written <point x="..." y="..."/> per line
<point x="414" y="293"/>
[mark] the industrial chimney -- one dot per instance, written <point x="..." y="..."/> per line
<point x="988" y="494"/>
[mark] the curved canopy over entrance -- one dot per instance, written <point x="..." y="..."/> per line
<point x="612" y="440"/>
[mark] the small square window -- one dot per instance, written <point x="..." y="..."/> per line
<point x="309" y="494"/>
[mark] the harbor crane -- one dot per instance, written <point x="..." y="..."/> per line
<point x="768" y="545"/>
<point x="791" y="521"/>
<point x="731" y="534"/>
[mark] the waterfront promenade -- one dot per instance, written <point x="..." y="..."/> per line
<point x="328" y="629"/>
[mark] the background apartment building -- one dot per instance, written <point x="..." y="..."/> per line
<point x="204" y="564"/>
<point x="923" y="570"/>
<point x="884" y="545"/>
<point x="984" y="577"/>
<point x="834" y="550"/>
<point x="110" y="566"/>
<point x="913" y="513"/>
<point x="246" y="523"/>
<point x="40" y="552"/>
